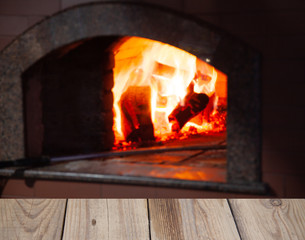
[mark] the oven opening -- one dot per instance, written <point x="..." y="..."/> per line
<point x="156" y="110"/>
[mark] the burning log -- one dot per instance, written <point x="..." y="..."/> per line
<point x="210" y="107"/>
<point x="194" y="103"/>
<point x="136" y="114"/>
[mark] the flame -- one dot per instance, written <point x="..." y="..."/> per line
<point x="168" y="71"/>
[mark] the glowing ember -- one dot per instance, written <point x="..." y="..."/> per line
<point x="172" y="77"/>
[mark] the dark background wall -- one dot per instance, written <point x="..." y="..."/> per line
<point x="276" y="28"/>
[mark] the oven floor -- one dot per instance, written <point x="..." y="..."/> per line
<point x="193" y="166"/>
<point x="186" y="165"/>
<point x="196" y="165"/>
<point x="197" y="159"/>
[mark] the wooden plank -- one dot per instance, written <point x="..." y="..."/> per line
<point x="106" y="219"/>
<point x="31" y="219"/>
<point x="191" y="219"/>
<point x="270" y="218"/>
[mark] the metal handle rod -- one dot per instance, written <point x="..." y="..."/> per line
<point x="136" y="152"/>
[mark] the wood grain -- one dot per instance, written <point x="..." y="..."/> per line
<point x="106" y="219"/>
<point x="31" y="219"/>
<point x="270" y="218"/>
<point x="180" y="219"/>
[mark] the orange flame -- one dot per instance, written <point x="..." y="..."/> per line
<point x="168" y="71"/>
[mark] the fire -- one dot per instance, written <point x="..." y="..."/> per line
<point x="145" y="67"/>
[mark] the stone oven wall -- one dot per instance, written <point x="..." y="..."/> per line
<point x="68" y="100"/>
<point x="275" y="28"/>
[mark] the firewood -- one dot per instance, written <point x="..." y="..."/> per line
<point x="136" y="120"/>
<point x="210" y="107"/>
<point x="194" y="103"/>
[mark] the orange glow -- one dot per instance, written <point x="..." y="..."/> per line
<point x="168" y="72"/>
<point x="180" y="173"/>
<point x="188" y="173"/>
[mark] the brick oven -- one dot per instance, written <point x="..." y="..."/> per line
<point x="57" y="99"/>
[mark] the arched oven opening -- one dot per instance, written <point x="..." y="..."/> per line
<point x="126" y="93"/>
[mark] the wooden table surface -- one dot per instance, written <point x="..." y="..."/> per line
<point x="198" y="219"/>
